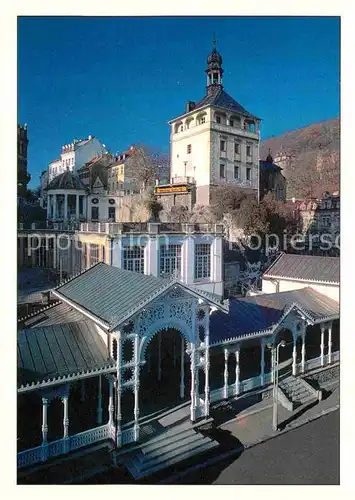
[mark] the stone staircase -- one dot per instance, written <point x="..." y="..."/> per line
<point x="295" y="391"/>
<point x="174" y="445"/>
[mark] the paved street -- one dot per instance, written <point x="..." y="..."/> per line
<point x="307" y="455"/>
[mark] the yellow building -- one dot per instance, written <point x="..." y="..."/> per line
<point x="120" y="176"/>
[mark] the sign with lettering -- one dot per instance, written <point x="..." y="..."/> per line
<point x="171" y="189"/>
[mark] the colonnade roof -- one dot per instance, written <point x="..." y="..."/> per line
<point x="58" y="351"/>
<point x="66" y="180"/>
<point x="263" y="313"/>
<point x="309" y="268"/>
<point x="112" y="295"/>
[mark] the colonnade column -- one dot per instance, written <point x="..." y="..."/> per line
<point x="207" y="368"/>
<point x="99" y="402"/>
<point x="110" y="402"/>
<point x="136" y="387"/>
<point x="182" y="369"/>
<point x="303" y="351"/>
<point x="322" y="344"/>
<point x="44" y="429"/>
<point x="193" y="382"/>
<point x="225" y="390"/>
<point x="330" y="343"/>
<point x="119" y="391"/>
<point x="237" y="370"/>
<point x="48" y="206"/>
<point x="294" y="355"/>
<point x="65" y="206"/>
<point x="54" y="215"/>
<point x="84" y="207"/>
<point x="77" y="198"/>
<point x="44" y="420"/>
<point x="65" y="423"/>
<point x="262" y="361"/>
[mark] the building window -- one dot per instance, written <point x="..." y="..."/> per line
<point x="236" y="172"/>
<point x="248" y="174"/>
<point x="236" y="148"/>
<point x="133" y="258"/>
<point x="112" y="214"/>
<point x="170" y="259"/>
<point x="231" y="123"/>
<point x="218" y="119"/>
<point x="94" y="213"/>
<point x="202" y="120"/>
<point x="222" y="171"/>
<point x="249" y="151"/>
<point x="188" y="149"/>
<point x="222" y="145"/>
<point x="94" y="254"/>
<point x="202" y="261"/>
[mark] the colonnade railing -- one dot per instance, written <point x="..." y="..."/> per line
<point x="64" y="445"/>
<point x="71" y="443"/>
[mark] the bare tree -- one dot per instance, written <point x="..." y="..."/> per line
<point x="226" y="198"/>
<point x="179" y="213"/>
<point x="146" y="164"/>
<point x="203" y="214"/>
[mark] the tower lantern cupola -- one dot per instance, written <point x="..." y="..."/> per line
<point x="214" y="69"/>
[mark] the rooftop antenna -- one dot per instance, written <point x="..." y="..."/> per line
<point x="214" y="40"/>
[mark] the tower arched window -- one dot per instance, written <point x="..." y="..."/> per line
<point x="201" y="119"/>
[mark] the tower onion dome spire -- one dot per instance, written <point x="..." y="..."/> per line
<point x="214" y="67"/>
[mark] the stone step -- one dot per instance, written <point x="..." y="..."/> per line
<point x="172" y="434"/>
<point x="140" y="470"/>
<point x="189" y="440"/>
<point x="168" y="439"/>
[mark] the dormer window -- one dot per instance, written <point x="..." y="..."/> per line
<point x="218" y="119"/>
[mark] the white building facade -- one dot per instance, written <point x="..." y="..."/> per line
<point x="75" y="155"/>
<point x="215" y="141"/>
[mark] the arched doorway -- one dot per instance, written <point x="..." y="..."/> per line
<point x="165" y="378"/>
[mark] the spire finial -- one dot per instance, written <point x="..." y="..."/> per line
<point x="214" y="40"/>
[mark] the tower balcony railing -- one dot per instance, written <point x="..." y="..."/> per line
<point x="183" y="179"/>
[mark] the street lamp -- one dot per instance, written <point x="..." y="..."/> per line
<point x="275" y="370"/>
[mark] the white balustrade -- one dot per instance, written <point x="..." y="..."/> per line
<point x="88" y="437"/>
<point x="29" y="457"/>
<point x="312" y="363"/>
<point x="335" y="356"/>
<point x="61" y="446"/>
<point x="128" y="436"/>
<point x="56" y="448"/>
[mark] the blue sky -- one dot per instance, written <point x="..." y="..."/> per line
<point x="122" y="79"/>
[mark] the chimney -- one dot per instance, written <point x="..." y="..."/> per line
<point x="190" y="105"/>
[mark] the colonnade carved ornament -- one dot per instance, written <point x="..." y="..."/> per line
<point x="176" y="310"/>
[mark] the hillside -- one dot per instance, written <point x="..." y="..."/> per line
<point x="310" y="158"/>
